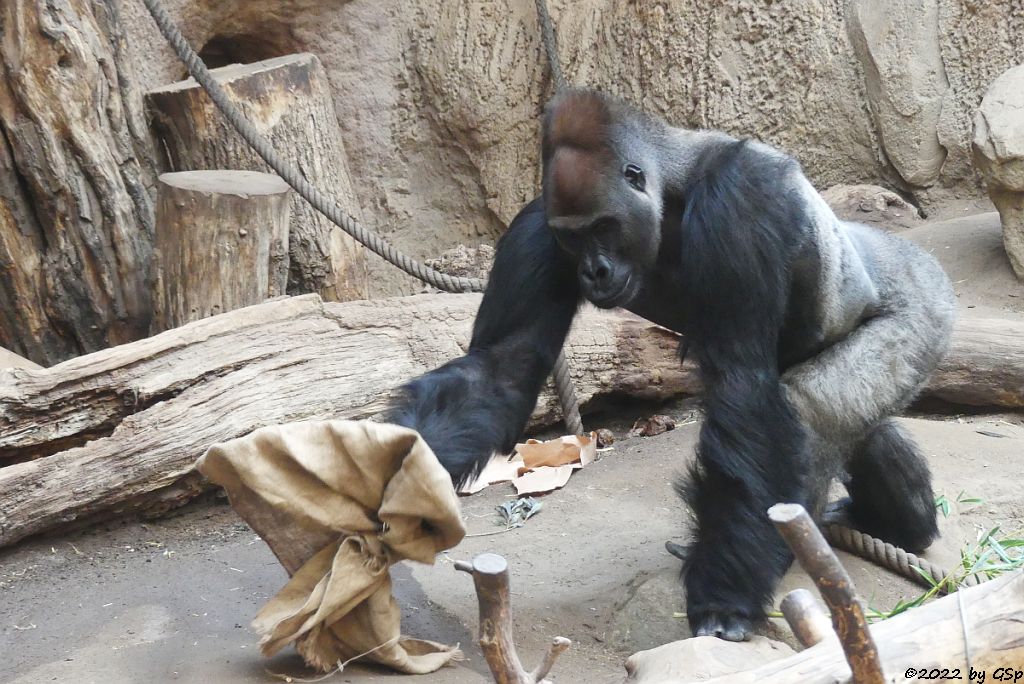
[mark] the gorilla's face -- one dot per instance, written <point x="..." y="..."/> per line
<point x="608" y="221"/>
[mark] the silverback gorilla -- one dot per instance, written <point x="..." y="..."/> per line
<point x="810" y="333"/>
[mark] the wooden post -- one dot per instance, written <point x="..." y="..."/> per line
<point x="808" y="622"/>
<point x="288" y="99"/>
<point x="836" y="587"/>
<point x="221" y="243"/>
<point x="490" y="577"/>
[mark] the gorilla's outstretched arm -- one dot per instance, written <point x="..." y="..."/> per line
<point x="478" y="404"/>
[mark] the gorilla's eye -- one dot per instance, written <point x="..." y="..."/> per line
<point x="635" y="176"/>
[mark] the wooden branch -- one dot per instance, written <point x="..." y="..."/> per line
<point x="221" y="243"/>
<point x="289" y="100"/>
<point x="820" y="562"/>
<point x="923" y="639"/>
<point x="805" y="617"/>
<point x="118" y="430"/>
<point x="491" y="580"/>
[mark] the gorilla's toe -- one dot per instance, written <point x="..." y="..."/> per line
<point x="837" y="512"/>
<point x="725" y="626"/>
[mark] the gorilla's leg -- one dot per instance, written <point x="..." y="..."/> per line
<point x="890" y="489"/>
<point x="849" y="391"/>
<point x="878" y="368"/>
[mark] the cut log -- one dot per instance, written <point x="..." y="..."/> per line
<point x="985" y="366"/>
<point x="933" y="639"/>
<point x="221" y="243"/>
<point x="76" y="219"/>
<point x="288" y="99"/>
<point x="120" y="429"/>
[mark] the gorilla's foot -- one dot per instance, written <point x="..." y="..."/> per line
<point x="727" y="626"/>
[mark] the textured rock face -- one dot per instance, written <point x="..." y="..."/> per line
<point x="439" y="101"/>
<point x="898" y="49"/>
<point x="999" y="155"/>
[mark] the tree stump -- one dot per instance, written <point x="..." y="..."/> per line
<point x="221" y="243"/>
<point x="289" y="101"/>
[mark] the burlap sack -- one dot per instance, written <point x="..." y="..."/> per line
<point x="339" y="502"/>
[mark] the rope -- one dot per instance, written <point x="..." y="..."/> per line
<point x="329" y="207"/>
<point x="893" y="558"/>
<point x="547" y="33"/>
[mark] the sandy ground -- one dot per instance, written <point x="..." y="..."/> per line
<point x="171" y="600"/>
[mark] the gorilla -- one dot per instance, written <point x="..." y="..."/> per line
<point x="809" y="333"/>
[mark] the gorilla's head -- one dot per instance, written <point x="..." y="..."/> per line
<point x="602" y="194"/>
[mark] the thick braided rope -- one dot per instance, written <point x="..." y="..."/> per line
<point x="563" y="383"/>
<point x="330" y="208"/>
<point x="547" y="29"/>
<point x="892" y="557"/>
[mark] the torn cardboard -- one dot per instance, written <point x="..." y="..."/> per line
<point x="537" y="466"/>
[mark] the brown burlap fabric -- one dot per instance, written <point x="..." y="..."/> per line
<point x="339" y="502"/>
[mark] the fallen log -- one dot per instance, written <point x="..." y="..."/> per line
<point x="118" y="430"/>
<point x="985" y="366"/>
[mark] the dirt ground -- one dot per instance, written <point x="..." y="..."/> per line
<point x="171" y="600"/>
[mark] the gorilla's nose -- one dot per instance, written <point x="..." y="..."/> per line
<point x="596" y="273"/>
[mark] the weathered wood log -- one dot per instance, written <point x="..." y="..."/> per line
<point x="491" y="581"/>
<point x="221" y="243"/>
<point x="76" y="221"/>
<point x="932" y="639"/>
<point x="985" y="366"/>
<point x="9" y="359"/>
<point x="288" y="99"/>
<point x="120" y="429"/>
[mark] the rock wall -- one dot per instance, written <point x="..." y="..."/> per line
<point x="439" y="100"/>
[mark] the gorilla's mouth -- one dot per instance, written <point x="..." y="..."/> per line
<point x="621" y="297"/>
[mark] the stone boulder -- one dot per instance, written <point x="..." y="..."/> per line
<point x="701" y="658"/>
<point x="998" y="148"/>
<point x="872" y="205"/>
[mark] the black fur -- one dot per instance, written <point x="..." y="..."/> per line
<point x="890" y="490"/>
<point x="478" y="404"/>
<point x="740" y="238"/>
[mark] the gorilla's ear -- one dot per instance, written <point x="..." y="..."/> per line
<point x="580" y="119"/>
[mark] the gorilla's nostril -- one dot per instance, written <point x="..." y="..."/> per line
<point x="602" y="272"/>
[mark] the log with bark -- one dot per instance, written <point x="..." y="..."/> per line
<point x="76" y="220"/>
<point x="119" y="430"/>
<point x="289" y="101"/>
<point x="221" y="243"/>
